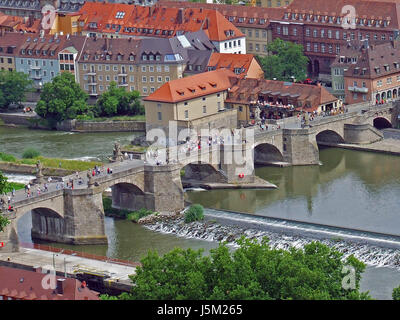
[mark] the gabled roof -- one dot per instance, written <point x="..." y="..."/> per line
<point x="238" y="63"/>
<point x="243" y="90"/>
<point x="155" y="21"/>
<point x="194" y="86"/>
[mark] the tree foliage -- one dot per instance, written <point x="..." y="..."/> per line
<point x="396" y="293"/>
<point x="117" y="101"/>
<point x="62" y="99"/>
<point x="253" y="271"/>
<point x="287" y="61"/>
<point x="13" y="87"/>
<point x="3" y="187"/>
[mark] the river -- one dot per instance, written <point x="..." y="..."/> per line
<point x="350" y="191"/>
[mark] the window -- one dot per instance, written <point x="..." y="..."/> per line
<point x="389" y="80"/>
<point x="186" y="114"/>
<point x="379" y="83"/>
<point x="295" y="31"/>
<point x="338" y="48"/>
<point x="115" y="68"/>
<point x="285" y="31"/>
<point x="315" y="33"/>
<point x="337" y="35"/>
<point x="151" y="68"/>
<point x="315" y="47"/>
<point x="308" y="46"/>
<point x="159" y="79"/>
<point x="166" y="69"/>
<point x="131" y="78"/>
<point x="100" y="67"/>
<point x="151" y="79"/>
<point x="166" y="79"/>
<point x="204" y="109"/>
<point x="323" y="33"/>
<point x="307" y="32"/>
<point x="144" y="89"/>
<point x="107" y="68"/>
<point x="132" y="88"/>
<point x="100" y="78"/>
<point x="144" y="79"/>
<point x="107" y="78"/>
<point x="159" y="116"/>
<point x="257" y="47"/>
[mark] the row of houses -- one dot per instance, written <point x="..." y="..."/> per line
<point x="143" y="65"/>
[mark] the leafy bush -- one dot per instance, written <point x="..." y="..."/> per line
<point x="136" y="215"/>
<point x="7" y="157"/>
<point x="107" y="202"/>
<point x="30" y="153"/>
<point x="194" y="213"/>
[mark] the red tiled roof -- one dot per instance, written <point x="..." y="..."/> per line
<point x="155" y="19"/>
<point x="23" y="284"/>
<point x="204" y="84"/>
<point x="231" y="61"/>
<point x="313" y="95"/>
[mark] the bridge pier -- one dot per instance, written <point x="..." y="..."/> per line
<point x="163" y="188"/>
<point x="237" y="163"/>
<point x="300" y="147"/>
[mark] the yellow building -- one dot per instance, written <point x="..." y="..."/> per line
<point x="194" y="102"/>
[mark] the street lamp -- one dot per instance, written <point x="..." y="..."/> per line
<point x="65" y="265"/>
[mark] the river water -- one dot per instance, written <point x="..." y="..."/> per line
<point x="349" y="191"/>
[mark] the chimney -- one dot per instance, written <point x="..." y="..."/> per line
<point x="31" y="21"/>
<point x="41" y="34"/>
<point x="107" y="44"/>
<point x="60" y="286"/>
<point x="179" y="18"/>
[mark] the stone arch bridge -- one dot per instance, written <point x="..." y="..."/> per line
<point x="77" y="216"/>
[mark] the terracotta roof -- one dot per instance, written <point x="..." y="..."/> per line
<point x="203" y="84"/>
<point x="154" y="21"/>
<point x="238" y="63"/>
<point x="241" y="16"/>
<point x="364" y="9"/>
<point x="376" y="61"/>
<point x="23" y="284"/>
<point x="245" y="89"/>
<point x="17" y="23"/>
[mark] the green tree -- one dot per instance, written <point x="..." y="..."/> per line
<point x="3" y="186"/>
<point x="62" y="99"/>
<point x="13" y="87"/>
<point x="117" y="101"/>
<point x="253" y="271"/>
<point x="396" y="293"/>
<point x="287" y="61"/>
<point x="194" y="213"/>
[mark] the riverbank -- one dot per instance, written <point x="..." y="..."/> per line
<point x="116" y="124"/>
<point x="51" y="166"/>
<point x="387" y="146"/>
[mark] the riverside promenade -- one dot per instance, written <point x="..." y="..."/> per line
<point x="110" y="273"/>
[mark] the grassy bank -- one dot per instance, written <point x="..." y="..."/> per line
<point x="130" y="147"/>
<point x="73" y="165"/>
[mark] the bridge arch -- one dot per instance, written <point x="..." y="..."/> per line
<point x="47" y="223"/>
<point x="266" y="153"/>
<point x="381" y="123"/>
<point x="200" y="171"/>
<point x="126" y="195"/>
<point x="329" y="136"/>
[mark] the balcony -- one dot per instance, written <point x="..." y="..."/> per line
<point x="36" y="67"/>
<point x="358" y="89"/>
<point x="123" y="84"/>
<point x="122" y="74"/>
<point x="91" y="73"/>
<point x="92" y="83"/>
<point x="93" y="93"/>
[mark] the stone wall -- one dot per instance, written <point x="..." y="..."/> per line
<point x="361" y="134"/>
<point x="104" y="126"/>
<point x="31" y="169"/>
<point x="21" y="120"/>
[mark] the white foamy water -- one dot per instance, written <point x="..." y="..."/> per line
<point x="374" y="250"/>
<point x="20" y="178"/>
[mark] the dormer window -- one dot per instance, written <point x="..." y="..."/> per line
<point x="241" y="19"/>
<point x="30" y="52"/>
<point x="85" y="56"/>
<point x="131" y="57"/>
<point x="144" y="57"/>
<point x="158" y="57"/>
<point x="96" y="57"/>
<point x="23" y="51"/>
<point x="262" y="21"/>
<point x="377" y="70"/>
<point x="44" y="52"/>
<point x="387" y="68"/>
<point x="119" y="57"/>
<point x="286" y="15"/>
<point x="108" y="57"/>
<point x="251" y="20"/>
<point x="52" y="52"/>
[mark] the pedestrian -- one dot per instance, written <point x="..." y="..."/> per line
<point x="9" y="199"/>
<point x="49" y="179"/>
<point x="13" y="192"/>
